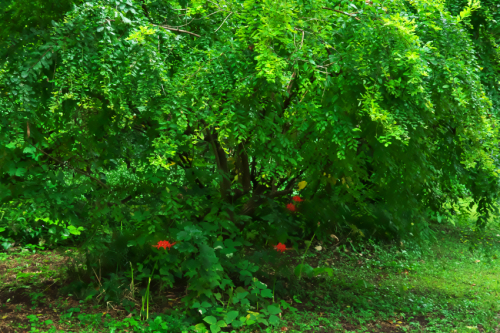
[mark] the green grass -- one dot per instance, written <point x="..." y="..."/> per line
<point x="438" y="286"/>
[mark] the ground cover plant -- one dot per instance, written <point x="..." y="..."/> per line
<point x="188" y="161"/>
<point x="438" y="286"/>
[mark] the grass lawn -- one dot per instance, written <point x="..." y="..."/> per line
<point x="439" y="286"/>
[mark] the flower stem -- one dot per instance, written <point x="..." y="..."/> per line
<point x="304" y="257"/>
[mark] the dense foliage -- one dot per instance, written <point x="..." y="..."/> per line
<point x="197" y="121"/>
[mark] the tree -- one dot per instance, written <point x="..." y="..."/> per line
<point x="201" y="116"/>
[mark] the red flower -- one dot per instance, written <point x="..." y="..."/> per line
<point x="297" y="199"/>
<point x="291" y="207"/>
<point x="164" y="245"/>
<point x="281" y="247"/>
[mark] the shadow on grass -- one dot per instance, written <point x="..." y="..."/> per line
<point x="438" y="286"/>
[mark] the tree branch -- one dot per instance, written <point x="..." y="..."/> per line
<point x="177" y="30"/>
<point x="341" y="12"/>
<point x="223" y="21"/>
<point x="220" y="157"/>
<point x="72" y="167"/>
<point x="50" y="48"/>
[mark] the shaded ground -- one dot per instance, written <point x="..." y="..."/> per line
<point x="437" y="287"/>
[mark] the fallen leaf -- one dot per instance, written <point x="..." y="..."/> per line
<point x="318" y="248"/>
<point x="333" y="236"/>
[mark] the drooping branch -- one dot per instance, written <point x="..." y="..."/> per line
<point x="50" y="48"/>
<point x="341" y="12"/>
<point x="223" y="21"/>
<point x="177" y="30"/>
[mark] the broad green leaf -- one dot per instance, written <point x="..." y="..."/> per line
<point x="200" y="328"/>
<point x="266" y="293"/>
<point x="20" y="172"/>
<point x="230" y="316"/>
<point x="210" y="320"/>
<point x="273" y="309"/>
<point x="274" y="320"/>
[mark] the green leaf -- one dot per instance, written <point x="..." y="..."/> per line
<point x="328" y="271"/>
<point x="210" y="320"/>
<point x="214" y="328"/>
<point x="263" y="321"/>
<point x="274" y="320"/>
<point x="266" y="293"/>
<point x="237" y="323"/>
<point x="273" y="309"/>
<point x="6" y="245"/>
<point x="303" y="269"/>
<point x="240" y="290"/>
<point x="250" y="322"/>
<point x="200" y="328"/>
<point x="20" y="172"/>
<point x="241" y="294"/>
<point x="317" y="271"/>
<point x="245" y="273"/>
<point x="260" y="285"/>
<point x="29" y="150"/>
<point x="206" y="304"/>
<point x="230" y="316"/>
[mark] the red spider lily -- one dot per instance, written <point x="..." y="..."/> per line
<point x="164" y="245"/>
<point x="297" y="198"/>
<point x="291" y="207"/>
<point x="281" y="247"/>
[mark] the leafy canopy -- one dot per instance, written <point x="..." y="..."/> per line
<point x="200" y="118"/>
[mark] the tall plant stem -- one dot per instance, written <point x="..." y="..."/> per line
<point x="304" y="257"/>
<point x="146" y="295"/>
